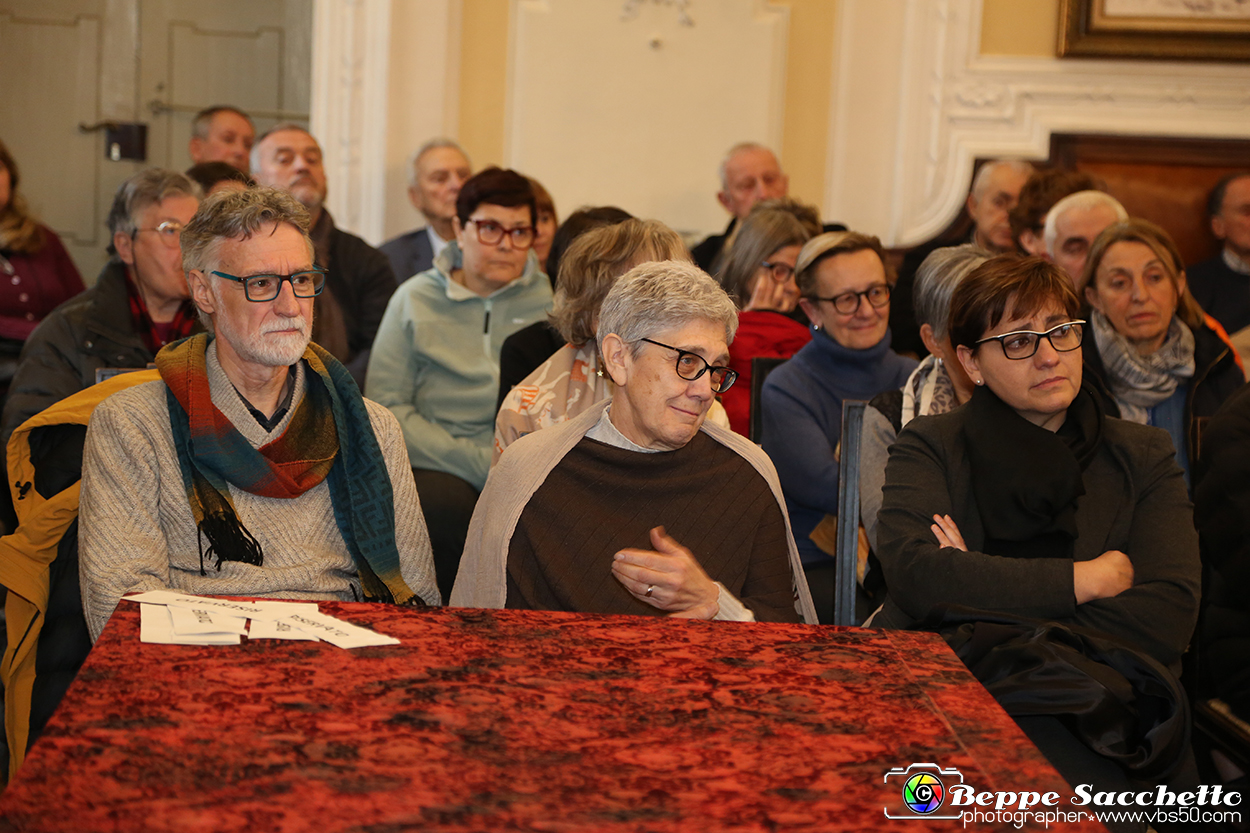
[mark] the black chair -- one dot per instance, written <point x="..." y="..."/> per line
<point x="846" y="555"/>
<point x="761" y="366"/>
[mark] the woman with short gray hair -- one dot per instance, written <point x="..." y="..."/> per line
<point x="638" y="505"/>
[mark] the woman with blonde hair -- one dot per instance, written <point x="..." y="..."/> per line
<point x="1154" y="356"/>
<point x="572" y="380"/>
<point x="36" y="273"/>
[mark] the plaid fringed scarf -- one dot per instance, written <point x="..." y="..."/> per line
<point x="181" y="327"/>
<point x="329" y="438"/>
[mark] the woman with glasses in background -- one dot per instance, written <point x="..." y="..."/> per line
<point x="638" y="505"/>
<point x="1153" y="356"/>
<point x="1052" y="546"/>
<point x="758" y="273"/>
<point x="435" y="361"/>
<point x="844" y="280"/>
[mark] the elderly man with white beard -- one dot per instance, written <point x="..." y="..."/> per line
<point x="253" y="466"/>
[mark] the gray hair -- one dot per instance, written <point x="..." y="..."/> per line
<point x="432" y="144"/>
<point x="1082" y="200"/>
<point x="981" y="181"/>
<point x="237" y="215"/>
<point x="766" y="229"/>
<point x="663" y="295"/>
<point x="254" y="157"/>
<point x="203" y="121"/>
<point x="148" y="187"/>
<point x="741" y="147"/>
<point x="936" y="280"/>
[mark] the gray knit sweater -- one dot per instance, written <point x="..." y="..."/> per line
<point x="136" y="531"/>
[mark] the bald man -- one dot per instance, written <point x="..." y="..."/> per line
<point x="749" y="173"/>
<point x="360" y="281"/>
<point x="995" y="190"/>
<point x="439" y="168"/>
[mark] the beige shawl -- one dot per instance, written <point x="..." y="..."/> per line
<point x="482" y="580"/>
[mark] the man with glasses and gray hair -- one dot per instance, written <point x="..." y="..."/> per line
<point x="639" y="505"/>
<point x="138" y="304"/>
<point x="253" y="466"/>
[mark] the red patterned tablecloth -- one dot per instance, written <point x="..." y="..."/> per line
<point x="512" y="720"/>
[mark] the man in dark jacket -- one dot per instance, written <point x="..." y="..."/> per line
<point x="749" y="173"/>
<point x="359" y="281"/>
<point x="1222" y="284"/>
<point x="439" y="168"/>
<point x="138" y="304"/>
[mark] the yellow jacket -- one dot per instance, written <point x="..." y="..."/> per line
<point x="27" y="554"/>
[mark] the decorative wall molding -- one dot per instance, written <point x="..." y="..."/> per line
<point x="630" y="10"/>
<point x="915" y="105"/>
<point x="350" y="55"/>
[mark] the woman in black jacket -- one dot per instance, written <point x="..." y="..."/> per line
<point x="1154" y="356"/>
<point x="1052" y="547"/>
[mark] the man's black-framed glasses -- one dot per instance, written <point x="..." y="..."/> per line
<point x="489" y="233"/>
<point x="1022" y="344"/>
<point x="691" y="366"/>
<point x="781" y="272"/>
<point x="847" y="303"/>
<point x="305" y="284"/>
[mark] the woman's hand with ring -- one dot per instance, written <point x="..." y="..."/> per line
<point x="668" y="578"/>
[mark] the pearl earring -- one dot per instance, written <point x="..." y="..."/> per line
<point x="980" y="381"/>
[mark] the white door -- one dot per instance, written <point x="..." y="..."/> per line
<point x="69" y="64"/>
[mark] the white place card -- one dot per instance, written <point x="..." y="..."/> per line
<point x="189" y="620"/>
<point x="277" y="629"/>
<point x="337" y="632"/>
<point x="171" y="618"/>
<point x="252" y="610"/>
<point x="157" y="627"/>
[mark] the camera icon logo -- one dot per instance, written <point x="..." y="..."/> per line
<point x="924" y="789"/>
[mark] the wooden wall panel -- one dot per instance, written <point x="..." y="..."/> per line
<point x="1165" y="180"/>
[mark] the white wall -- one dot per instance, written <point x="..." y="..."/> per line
<point x="637" y="111"/>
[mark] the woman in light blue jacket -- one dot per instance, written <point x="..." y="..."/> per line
<point x="435" y="362"/>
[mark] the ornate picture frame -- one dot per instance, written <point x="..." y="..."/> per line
<point x="1170" y="30"/>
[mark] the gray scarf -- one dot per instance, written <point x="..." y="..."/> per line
<point x="928" y="391"/>
<point x="1139" y="382"/>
